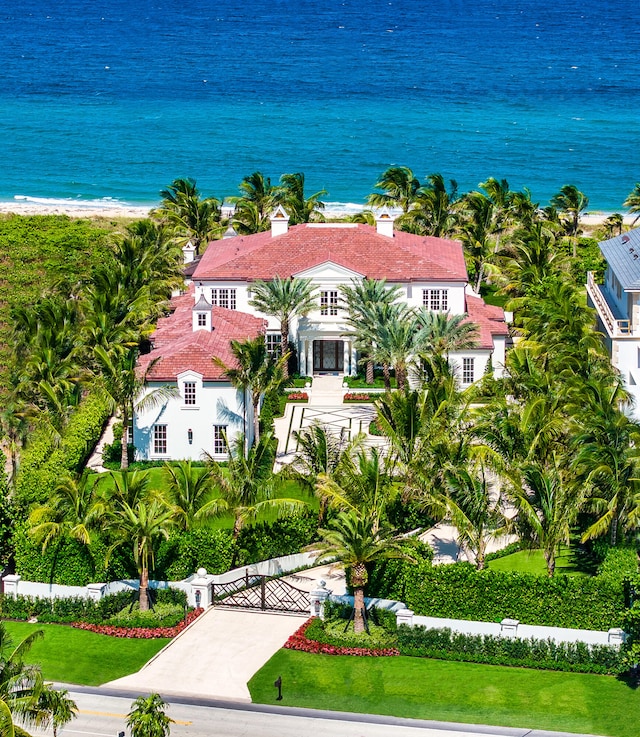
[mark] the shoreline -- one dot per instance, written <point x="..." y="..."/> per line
<point x="104" y="209"/>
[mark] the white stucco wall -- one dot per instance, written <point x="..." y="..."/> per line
<point x="217" y="403"/>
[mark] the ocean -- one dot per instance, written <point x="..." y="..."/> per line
<point x="110" y="101"/>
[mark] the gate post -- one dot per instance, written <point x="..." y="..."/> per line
<point x="317" y="599"/>
<point x="263" y="602"/>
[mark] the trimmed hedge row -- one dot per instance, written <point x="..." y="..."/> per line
<point x="459" y="591"/>
<point x="45" y="461"/>
<point x="444" y="644"/>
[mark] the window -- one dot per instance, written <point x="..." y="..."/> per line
<point x="272" y="342"/>
<point x="160" y="439"/>
<point x="436" y="300"/>
<point x="189" y="392"/>
<point x="224" y="298"/>
<point x="202" y="319"/>
<point x="219" y="440"/>
<point x="328" y="303"/>
<point x="468" y="370"/>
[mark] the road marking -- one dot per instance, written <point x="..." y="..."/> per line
<point x="117" y="716"/>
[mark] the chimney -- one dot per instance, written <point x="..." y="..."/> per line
<point x="384" y="223"/>
<point x="279" y="222"/>
<point x="201" y="315"/>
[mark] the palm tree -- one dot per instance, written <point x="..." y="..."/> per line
<point x="395" y="340"/>
<point x="59" y="708"/>
<point x="71" y="513"/>
<point x="633" y="202"/>
<point x="476" y="229"/>
<point x="147" y="717"/>
<point x="440" y="334"/>
<point x="245" y="486"/>
<point x="122" y="385"/>
<point x="283" y="299"/>
<point x="141" y="523"/>
<point x="192" y="218"/>
<point x="256" y="373"/>
<point x="570" y="203"/>
<point x="353" y="540"/>
<point x="257" y="189"/>
<point x="361" y="298"/>
<point x="189" y="492"/>
<point x="20" y="685"/>
<point x="400" y="187"/>
<point x="474" y="511"/>
<point x="290" y="194"/>
<point x="613" y="225"/>
<point x="433" y="213"/>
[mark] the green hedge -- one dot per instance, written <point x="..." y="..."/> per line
<point x="184" y="553"/>
<point x="45" y="460"/>
<point x="459" y="591"/>
<point x="284" y="536"/>
<point x="444" y="644"/>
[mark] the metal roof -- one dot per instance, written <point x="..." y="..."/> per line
<point x="622" y="254"/>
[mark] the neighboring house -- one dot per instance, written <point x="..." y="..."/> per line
<point x="208" y="409"/>
<point x="430" y="271"/>
<point x="617" y="303"/>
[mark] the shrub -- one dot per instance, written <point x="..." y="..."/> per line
<point x="562" y="601"/>
<point x="284" y="536"/>
<point x="297" y="397"/>
<point x="184" y="553"/>
<point x="162" y="615"/>
<point x="356" y="397"/>
<point x="141" y="633"/>
<point x="305" y="640"/>
<point x="528" y="653"/>
<point x="112" y="452"/>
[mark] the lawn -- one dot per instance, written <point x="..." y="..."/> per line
<point x="453" y="692"/>
<point x="532" y="561"/>
<point x="77" y="656"/>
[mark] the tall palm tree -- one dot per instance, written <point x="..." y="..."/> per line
<point x="633" y="202"/>
<point x="395" y="340"/>
<point x="257" y="189"/>
<point x="353" y="540"/>
<point x="291" y="195"/>
<point x="256" y="373"/>
<point x="59" y="708"/>
<point x="283" y="299"/>
<point x="192" y="217"/>
<point x="440" y="334"/>
<point x="142" y="523"/>
<point x="476" y="228"/>
<point x="613" y="225"/>
<point x="570" y="203"/>
<point x="400" y="189"/>
<point x="361" y="298"/>
<point x="147" y="717"/>
<point x="433" y="212"/>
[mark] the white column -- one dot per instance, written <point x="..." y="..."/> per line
<point x="354" y="359"/>
<point x="302" y="353"/>
<point x="346" y="352"/>
<point x="310" y="358"/>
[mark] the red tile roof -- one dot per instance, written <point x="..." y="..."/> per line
<point x="178" y="348"/>
<point x="405" y="257"/>
<point x="488" y="318"/>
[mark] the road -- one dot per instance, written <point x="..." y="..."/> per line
<point x="104" y="715"/>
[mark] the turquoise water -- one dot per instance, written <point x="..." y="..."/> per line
<point x="114" y="100"/>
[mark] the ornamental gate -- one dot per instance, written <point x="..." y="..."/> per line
<point x="253" y="591"/>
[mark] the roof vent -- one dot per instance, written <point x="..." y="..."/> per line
<point x="279" y="222"/>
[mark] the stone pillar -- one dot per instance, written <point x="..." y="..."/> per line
<point x="11" y="582"/>
<point x="95" y="591"/>
<point x="317" y="599"/>
<point x="616" y="636"/>
<point x="404" y="616"/>
<point x="354" y="359"/>
<point x="200" y="594"/>
<point x="509" y="627"/>
<point x="346" y="353"/>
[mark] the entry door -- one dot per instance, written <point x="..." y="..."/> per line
<point x="328" y="355"/>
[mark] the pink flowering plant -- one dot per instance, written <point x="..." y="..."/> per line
<point x="312" y="637"/>
<point x="357" y="397"/>
<point x="297" y="397"/>
<point x="140" y="633"/>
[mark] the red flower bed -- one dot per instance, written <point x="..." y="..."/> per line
<point x="298" y="396"/>
<point x="357" y="397"/>
<point x="299" y="641"/>
<point x="139" y="633"/>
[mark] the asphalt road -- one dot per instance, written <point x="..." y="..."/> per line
<point x="104" y="715"/>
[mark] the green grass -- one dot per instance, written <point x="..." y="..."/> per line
<point x="532" y="561"/>
<point x="454" y="692"/>
<point x="86" y="658"/>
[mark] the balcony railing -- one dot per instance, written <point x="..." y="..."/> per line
<point x="615" y="328"/>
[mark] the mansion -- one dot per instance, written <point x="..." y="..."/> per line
<point x="216" y="309"/>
